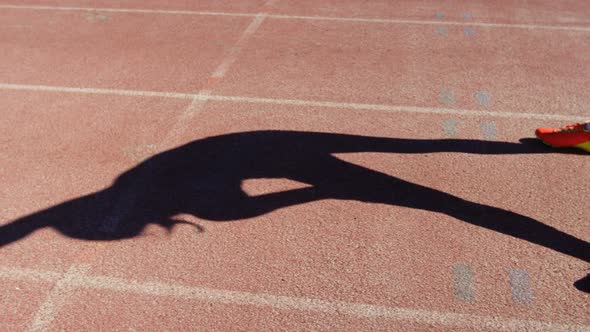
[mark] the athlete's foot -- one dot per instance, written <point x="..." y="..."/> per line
<point x="571" y="136"/>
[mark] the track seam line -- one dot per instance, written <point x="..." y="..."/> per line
<point x="76" y="278"/>
<point x="314" y="18"/>
<point x="205" y="95"/>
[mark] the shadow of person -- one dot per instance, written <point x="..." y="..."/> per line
<point x="203" y="178"/>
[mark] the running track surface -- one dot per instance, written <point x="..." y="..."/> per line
<point x="336" y="165"/>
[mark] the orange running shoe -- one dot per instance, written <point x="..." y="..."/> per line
<point x="576" y="136"/>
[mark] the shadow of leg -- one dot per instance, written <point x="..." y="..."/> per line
<point x="348" y="181"/>
<point x="21" y="228"/>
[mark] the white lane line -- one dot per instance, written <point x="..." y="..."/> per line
<point x="432" y="22"/>
<point x="396" y="108"/>
<point x="129" y="196"/>
<point x="57" y="298"/>
<point x="235" y="50"/>
<point x="76" y="278"/>
<point x="224" y="66"/>
<point x="128" y="10"/>
<point x="251" y="29"/>
<point x="133" y="93"/>
<point x="315" y="18"/>
<point x="183" y="120"/>
<point x="300" y="102"/>
<point x="200" y="99"/>
<point x="29" y="274"/>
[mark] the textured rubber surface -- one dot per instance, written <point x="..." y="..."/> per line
<point x="292" y="165"/>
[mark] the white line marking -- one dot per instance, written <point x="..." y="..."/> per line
<point x="200" y="99"/>
<point x="29" y="274"/>
<point x="128" y="10"/>
<point x="57" y="298"/>
<point x="76" y="278"/>
<point x="395" y="108"/>
<point x="133" y="93"/>
<point x="299" y="102"/>
<point x="254" y="25"/>
<point x="129" y="196"/>
<point x="183" y="120"/>
<point x="235" y="50"/>
<point x="224" y="66"/>
<point x="299" y="17"/>
<point x="431" y="22"/>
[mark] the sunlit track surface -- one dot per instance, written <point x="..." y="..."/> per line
<point x="292" y="165"/>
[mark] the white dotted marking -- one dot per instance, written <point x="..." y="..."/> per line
<point x="521" y="286"/>
<point x="463" y="282"/>
<point x="450" y="128"/>
<point x="469" y="31"/>
<point x="447" y="96"/>
<point x="483" y="98"/>
<point x="443" y="31"/>
<point x="489" y="130"/>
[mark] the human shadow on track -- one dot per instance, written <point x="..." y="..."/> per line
<point x="203" y="178"/>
